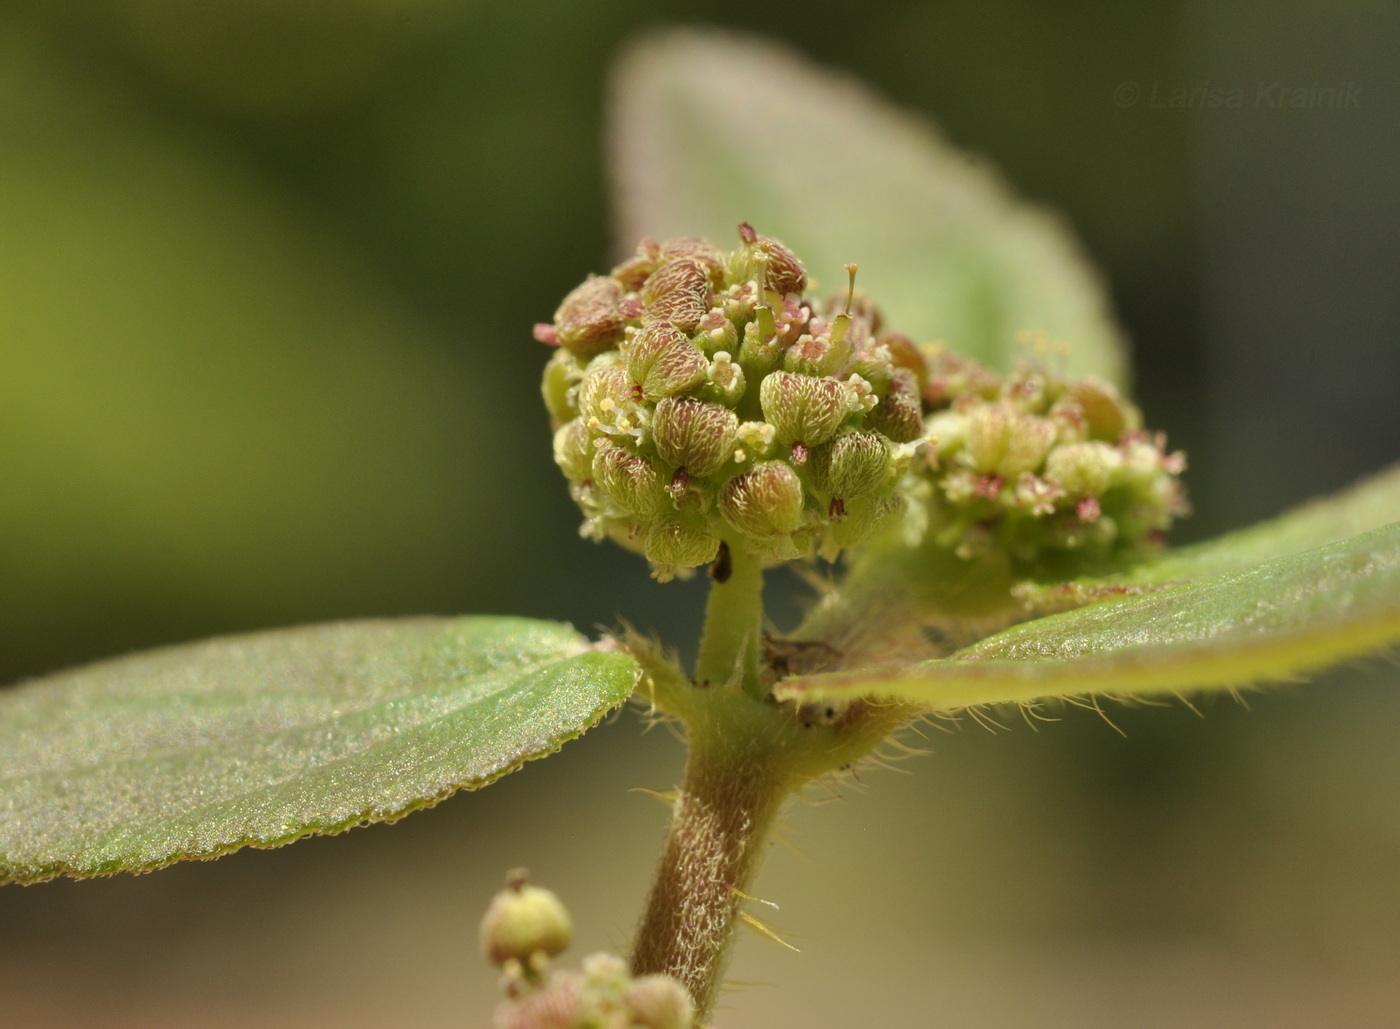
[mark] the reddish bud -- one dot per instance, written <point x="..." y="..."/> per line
<point x="590" y="320"/>
<point x="678" y="292"/>
<point x="663" y="362"/>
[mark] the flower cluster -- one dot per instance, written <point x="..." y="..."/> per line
<point x="1034" y="463"/>
<point x="700" y="397"/>
<point x="526" y="926"/>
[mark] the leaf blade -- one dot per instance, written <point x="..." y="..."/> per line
<point x="1281" y="618"/>
<point x="711" y="128"/>
<point x="198" y="750"/>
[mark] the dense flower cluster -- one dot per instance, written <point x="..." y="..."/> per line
<point x="700" y="397"/>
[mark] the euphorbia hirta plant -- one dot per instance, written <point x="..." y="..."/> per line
<point x="948" y="430"/>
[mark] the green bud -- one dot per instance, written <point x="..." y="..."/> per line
<point x="670" y="545"/>
<point x="851" y="465"/>
<point x="764" y="502"/>
<point x="590" y="319"/>
<point x="717" y="333"/>
<point x="1083" y="469"/>
<point x="524" y="921"/>
<point x="559" y="387"/>
<point x="663" y="362"/>
<point x="604" y="394"/>
<point x="803" y="409"/>
<point x="631" y="481"/>
<point x="694" y="435"/>
<point x="758" y="353"/>
<point x="1006" y="442"/>
<point x="573" y="450"/>
<point x="900" y="413"/>
<point x="678" y="292"/>
<point x="658" y="1002"/>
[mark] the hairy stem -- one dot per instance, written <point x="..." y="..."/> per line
<point x="724" y="812"/>
<point x="733" y="622"/>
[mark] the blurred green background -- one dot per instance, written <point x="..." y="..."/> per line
<point x="267" y="272"/>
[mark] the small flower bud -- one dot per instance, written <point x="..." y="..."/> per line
<point x="1107" y="414"/>
<point x="803" y="409"/>
<point x="573" y="450"/>
<point x="710" y="257"/>
<point x="694" y="435"/>
<point x="727" y="380"/>
<point x="1083" y="469"/>
<point x="670" y="545"/>
<point x="560" y="1005"/>
<point x="604" y="393"/>
<point x="658" y="1002"/>
<point x="632" y="272"/>
<point x="905" y="353"/>
<point x="632" y="482"/>
<point x="717" y="333"/>
<point x="590" y="319"/>
<point x="678" y="292"/>
<point x="663" y="362"/>
<point x="759" y="353"/>
<point x="851" y="465"/>
<point x="559" y="386"/>
<point x="1004" y="441"/>
<point x="523" y="921"/>
<point x="764" y="502"/>
<point x="769" y="261"/>
<point x="816" y="355"/>
<point x="900" y="413"/>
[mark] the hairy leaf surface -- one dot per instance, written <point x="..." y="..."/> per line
<point x="194" y="751"/>
<point x="712" y="128"/>
<point x="1280" y="618"/>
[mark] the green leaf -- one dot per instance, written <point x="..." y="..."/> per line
<point x="1280" y="618"/>
<point x="710" y="128"/>
<point x="194" y="751"/>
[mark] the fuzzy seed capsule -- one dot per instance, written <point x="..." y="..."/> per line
<point x="694" y="435"/>
<point x="573" y="450"/>
<point x="663" y="362"/>
<point x="709" y="256"/>
<point x="632" y="482"/>
<point x="1005" y="442"/>
<point x="764" y="502"/>
<point x="900" y="413"/>
<point x="590" y="319"/>
<point x="678" y="292"/>
<point x="851" y="465"/>
<point x="670" y="545"/>
<point x="524" y="921"/>
<point x="803" y="409"/>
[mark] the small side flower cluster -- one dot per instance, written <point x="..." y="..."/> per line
<point x="525" y="927"/>
<point x="1034" y="463"/>
<point x="699" y="397"/>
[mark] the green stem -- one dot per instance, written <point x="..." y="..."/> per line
<point x="733" y="623"/>
<point x="724" y="811"/>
